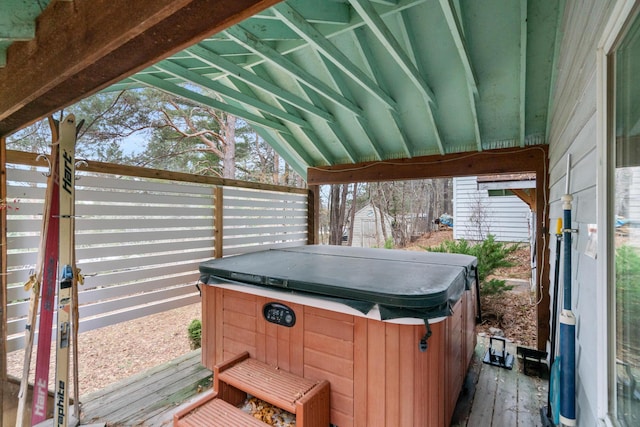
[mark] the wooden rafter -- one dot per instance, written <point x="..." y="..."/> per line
<point x="252" y="43"/>
<point x="296" y="22"/>
<point x="82" y="47"/>
<point x="455" y="28"/>
<point x="377" y="26"/>
<point x="523" y="70"/>
<point x="253" y="80"/>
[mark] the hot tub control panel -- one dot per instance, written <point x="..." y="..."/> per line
<point x="279" y="314"/>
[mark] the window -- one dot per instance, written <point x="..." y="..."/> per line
<point x="626" y="237"/>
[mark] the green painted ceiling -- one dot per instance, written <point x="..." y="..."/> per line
<point x="329" y="82"/>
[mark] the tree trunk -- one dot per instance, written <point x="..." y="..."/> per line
<point x="229" y="159"/>
<point x="352" y="218"/>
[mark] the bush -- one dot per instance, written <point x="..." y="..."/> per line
<point x="491" y="255"/>
<point x="195" y="333"/>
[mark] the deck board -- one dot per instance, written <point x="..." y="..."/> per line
<point x="490" y="395"/>
<point x="494" y="396"/>
<point x="150" y="397"/>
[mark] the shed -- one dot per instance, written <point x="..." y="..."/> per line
<point x="367" y="228"/>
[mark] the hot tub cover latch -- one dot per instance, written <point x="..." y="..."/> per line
<point x="423" y="342"/>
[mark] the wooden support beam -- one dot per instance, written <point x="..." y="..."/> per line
<point x="218" y="222"/>
<point x="528" y="159"/>
<point x="82" y="47"/>
<point x="313" y="214"/>
<point x="3" y="273"/>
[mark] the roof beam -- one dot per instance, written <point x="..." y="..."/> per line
<point x="455" y="28"/>
<point x="523" y="70"/>
<point x="339" y="81"/>
<point x="195" y="78"/>
<point x="111" y="39"/>
<point x="251" y="79"/>
<point x="253" y="44"/>
<point x="316" y="142"/>
<point x="511" y="160"/>
<point x="367" y="54"/>
<point x="385" y="37"/>
<point x="311" y="35"/>
<point x="174" y="89"/>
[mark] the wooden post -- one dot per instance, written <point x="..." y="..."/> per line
<point x="313" y="214"/>
<point x="218" y="223"/>
<point x="3" y="275"/>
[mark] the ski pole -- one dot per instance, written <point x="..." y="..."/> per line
<point x="567" y="322"/>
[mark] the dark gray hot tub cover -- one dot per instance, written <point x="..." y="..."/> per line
<point x="414" y="284"/>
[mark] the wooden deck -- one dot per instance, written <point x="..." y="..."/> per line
<point x="492" y="396"/>
<point x="149" y="398"/>
<point x="495" y="397"/>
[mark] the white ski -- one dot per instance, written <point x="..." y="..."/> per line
<point x="65" y="266"/>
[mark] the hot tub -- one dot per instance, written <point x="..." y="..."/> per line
<point x="392" y="331"/>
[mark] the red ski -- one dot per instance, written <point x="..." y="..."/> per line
<point x="47" y="307"/>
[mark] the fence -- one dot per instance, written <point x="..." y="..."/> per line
<point x="140" y="237"/>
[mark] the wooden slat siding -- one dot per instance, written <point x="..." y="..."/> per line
<point x="377" y="374"/>
<point x="392" y="373"/>
<point x="406" y="376"/>
<point x="237" y="339"/>
<point x="329" y="357"/>
<point x="455" y="367"/>
<point x="360" y="378"/>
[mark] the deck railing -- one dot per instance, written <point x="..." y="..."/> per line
<point x="140" y="235"/>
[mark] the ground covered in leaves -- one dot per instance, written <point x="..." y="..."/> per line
<point x="514" y="311"/>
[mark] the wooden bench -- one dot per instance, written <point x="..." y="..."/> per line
<point x="242" y="375"/>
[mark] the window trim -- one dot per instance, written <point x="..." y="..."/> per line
<point x="623" y="14"/>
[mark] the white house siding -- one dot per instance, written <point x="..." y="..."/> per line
<point x="506" y="217"/>
<point x="573" y="131"/>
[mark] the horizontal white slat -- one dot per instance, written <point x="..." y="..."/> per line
<point x="262" y="221"/>
<point x="103" y="307"/>
<point x="85" y="195"/>
<point x="93" y="280"/>
<point x="139" y="223"/>
<point x="90" y="238"/>
<point x="144" y="262"/>
<point x="27" y="174"/>
<point x="124" y="211"/>
<point x="125" y="184"/>
<point x="231" y="232"/>
<point x="25" y="192"/>
<point x="152" y="283"/>
<point x="131" y="313"/>
<point x="230" y="193"/>
<point x="98" y="278"/>
<point x="248" y="249"/>
<point x="248" y="212"/>
<point x="253" y="203"/>
<point x="262" y="239"/>
<point x="135" y="248"/>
